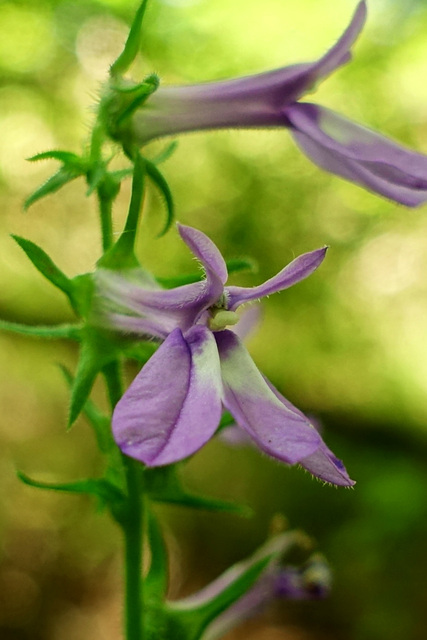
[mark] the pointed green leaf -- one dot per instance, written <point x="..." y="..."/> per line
<point x="162" y="185"/>
<point x="163" y="485"/>
<point x="66" y="157"/>
<point x="194" y="501"/>
<point x="52" y="184"/>
<point x="95" y="352"/>
<point x="133" y="43"/>
<point x="155" y="583"/>
<point x="99" y="488"/>
<point x="45" y="265"/>
<point x="99" y="422"/>
<point x="67" y="331"/>
<point x="87" y="371"/>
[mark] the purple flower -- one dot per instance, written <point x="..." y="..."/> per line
<point x="311" y="581"/>
<point x="271" y="100"/>
<point x="174" y="405"/>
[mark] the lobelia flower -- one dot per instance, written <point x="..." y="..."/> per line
<point x="174" y="405"/>
<point x="271" y="100"/>
<point x="311" y="581"/>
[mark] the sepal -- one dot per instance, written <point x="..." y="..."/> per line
<point x="160" y="182"/>
<point x="132" y="45"/>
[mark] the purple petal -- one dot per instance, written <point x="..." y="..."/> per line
<point x="253" y="101"/>
<point x="139" y="326"/>
<point x="325" y="466"/>
<point x="339" y="54"/>
<point x="207" y="252"/>
<point x="173" y="406"/>
<point x="359" y="154"/>
<point x="277" y="430"/>
<point x="167" y="308"/>
<point x="296" y="271"/>
<point x="322" y="463"/>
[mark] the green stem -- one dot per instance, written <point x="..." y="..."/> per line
<point x="105" y="209"/>
<point x="133" y="533"/>
<point x="131" y="524"/>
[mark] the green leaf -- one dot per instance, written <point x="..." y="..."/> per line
<point x="100" y="488"/>
<point x="163" y="485"/>
<point x="156" y="581"/>
<point x="45" y="265"/>
<point x="162" y="185"/>
<point x="133" y="43"/>
<point x="99" y="422"/>
<point x="87" y="370"/>
<point x="96" y="351"/>
<point x="52" y="184"/>
<point x="66" y="157"/>
<point x="59" y="331"/>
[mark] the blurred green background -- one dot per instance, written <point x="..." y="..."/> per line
<point x="347" y="345"/>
